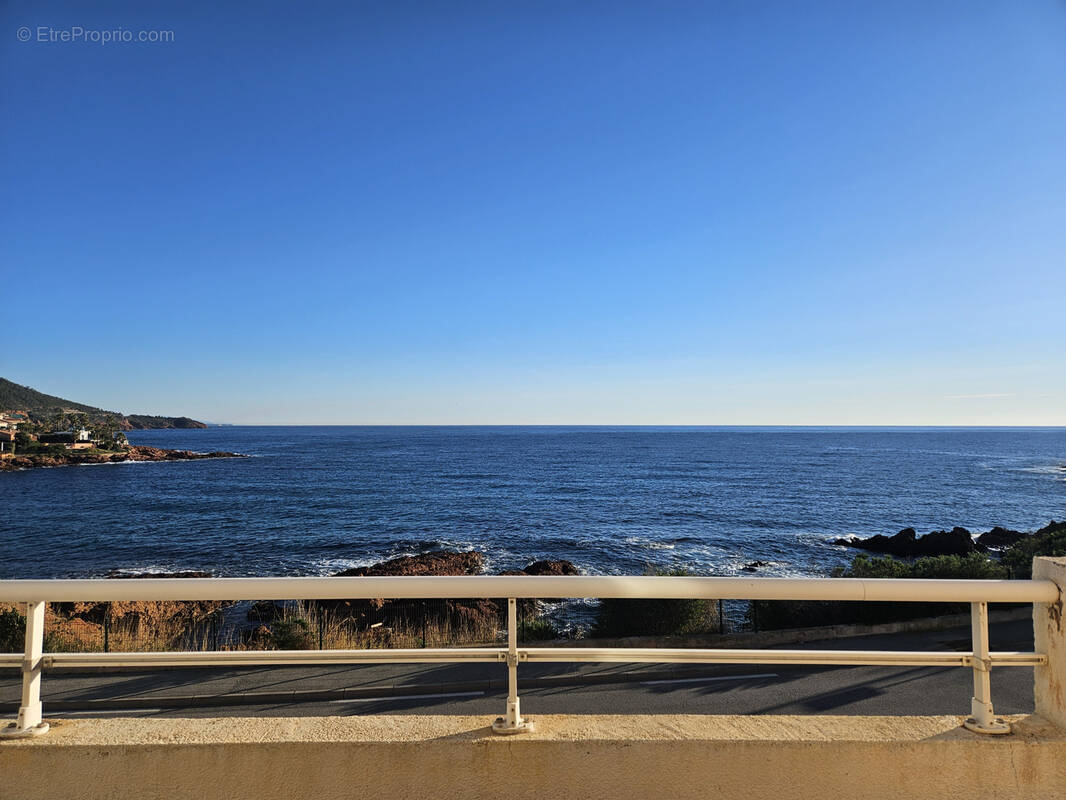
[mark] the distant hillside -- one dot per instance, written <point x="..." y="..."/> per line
<point x="145" y="421"/>
<point x="40" y="407"/>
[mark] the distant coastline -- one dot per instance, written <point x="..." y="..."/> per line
<point x="42" y="430"/>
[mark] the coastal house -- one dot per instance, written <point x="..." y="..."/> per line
<point x="9" y="422"/>
<point x="82" y="440"/>
<point x="57" y="437"/>
<point x="72" y="440"/>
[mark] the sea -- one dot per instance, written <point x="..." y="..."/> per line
<point x="613" y="500"/>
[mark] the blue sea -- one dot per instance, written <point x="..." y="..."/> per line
<point x="316" y="500"/>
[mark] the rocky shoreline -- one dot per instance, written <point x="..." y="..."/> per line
<point x="385" y="622"/>
<point x="956" y="542"/>
<point x="132" y="453"/>
<point x="169" y="623"/>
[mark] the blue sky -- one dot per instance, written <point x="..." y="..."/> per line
<point x="681" y="213"/>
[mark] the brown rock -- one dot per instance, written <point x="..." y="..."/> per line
<point x="144" y="453"/>
<point x="437" y="562"/>
<point x="400" y="612"/>
<point x="165" y="618"/>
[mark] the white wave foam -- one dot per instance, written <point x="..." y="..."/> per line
<point x="649" y="544"/>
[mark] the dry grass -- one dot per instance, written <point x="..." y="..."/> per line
<point x="190" y="627"/>
<point x="198" y="627"/>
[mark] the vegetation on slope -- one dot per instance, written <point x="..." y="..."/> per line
<point x="47" y="409"/>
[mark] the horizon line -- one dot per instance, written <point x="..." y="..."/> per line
<point x="601" y="425"/>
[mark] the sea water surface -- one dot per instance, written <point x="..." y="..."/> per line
<point x="316" y="500"/>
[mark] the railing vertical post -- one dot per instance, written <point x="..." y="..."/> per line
<point x="982" y="718"/>
<point x="29" y="719"/>
<point x="513" y="722"/>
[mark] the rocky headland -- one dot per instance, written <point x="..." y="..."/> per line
<point x="131" y="453"/>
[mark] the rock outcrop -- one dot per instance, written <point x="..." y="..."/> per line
<point x="468" y="613"/>
<point x="907" y="544"/>
<point x="1000" y="537"/>
<point x="547" y="567"/>
<point x="1052" y="527"/>
<point x="457" y="612"/>
<point x="143" y="453"/>
<point x="167" y="622"/>
<point x="437" y="562"/>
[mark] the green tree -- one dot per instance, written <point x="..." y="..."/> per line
<point x="105" y="431"/>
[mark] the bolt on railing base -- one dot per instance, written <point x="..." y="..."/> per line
<point x="12" y="731"/>
<point x="996" y="726"/>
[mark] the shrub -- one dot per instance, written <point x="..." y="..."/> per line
<point x="973" y="566"/>
<point x="536" y="630"/>
<point x="292" y="634"/>
<point x="774" y="614"/>
<point x="1048" y="541"/>
<point x="623" y="617"/>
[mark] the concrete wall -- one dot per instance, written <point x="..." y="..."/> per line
<point x="587" y="757"/>
<point x="1049" y="681"/>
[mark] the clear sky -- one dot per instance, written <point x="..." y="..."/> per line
<point x="538" y="212"/>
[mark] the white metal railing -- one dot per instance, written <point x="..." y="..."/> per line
<point x="979" y="593"/>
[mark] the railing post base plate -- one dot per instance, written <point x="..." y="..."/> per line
<point x="12" y="731"/>
<point x="504" y="727"/>
<point x="994" y="727"/>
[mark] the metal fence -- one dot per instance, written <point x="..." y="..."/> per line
<point x="978" y="593"/>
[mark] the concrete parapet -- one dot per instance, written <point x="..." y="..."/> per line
<point x="582" y="757"/>
<point x="1049" y="681"/>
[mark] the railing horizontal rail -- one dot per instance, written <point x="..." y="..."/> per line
<point x="265" y="657"/>
<point x="541" y="586"/>
<point x="919" y="658"/>
<point x="798" y="657"/>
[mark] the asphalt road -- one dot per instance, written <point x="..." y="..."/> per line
<point x="574" y="688"/>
